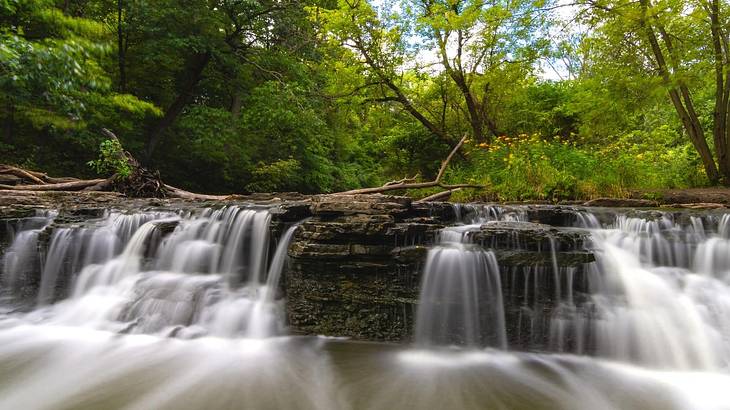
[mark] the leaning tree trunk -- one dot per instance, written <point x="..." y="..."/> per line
<point x="680" y="96"/>
<point x="195" y="69"/>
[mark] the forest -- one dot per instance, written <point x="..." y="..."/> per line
<point x="552" y="99"/>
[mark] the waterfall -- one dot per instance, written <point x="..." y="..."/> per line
<point x="206" y="276"/>
<point x="127" y="264"/>
<point x="460" y="301"/>
<point x="658" y="292"/>
<point x="660" y="295"/>
<point x="252" y="311"/>
<point x="183" y="310"/>
<point x="231" y="241"/>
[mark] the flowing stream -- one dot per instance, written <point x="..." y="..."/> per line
<point x="183" y="310"/>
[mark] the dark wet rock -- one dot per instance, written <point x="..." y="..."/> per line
<point x="528" y="236"/>
<point x="368" y="298"/>
<point x="359" y="204"/>
<point x="410" y="254"/>
<point x="167" y="226"/>
<point x="349" y="228"/>
<point x="431" y="212"/>
<point x="356" y="261"/>
<point x="552" y="215"/>
<point x="16" y="212"/>
<point x="515" y="258"/>
<point x="625" y="203"/>
<point x="292" y="211"/>
<point x="355" y="266"/>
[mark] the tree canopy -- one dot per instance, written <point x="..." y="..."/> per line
<point x="555" y="100"/>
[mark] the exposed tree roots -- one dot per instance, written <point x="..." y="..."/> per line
<point x="142" y="183"/>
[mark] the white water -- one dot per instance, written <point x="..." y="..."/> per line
<point x="22" y="256"/>
<point x="178" y="291"/>
<point x="460" y="302"/>
<point x="194" y="321"/>
<point x="660" y="295"/>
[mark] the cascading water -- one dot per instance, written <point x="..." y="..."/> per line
<point x="659" y="295"/>
<point x="205" y="278"/>
<point x="181" y="310"/>
<point x="22" y="257"/>
<point x="460" y="302"/>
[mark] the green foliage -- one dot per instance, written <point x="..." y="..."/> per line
<point x="55" y="91"/>
<point x="528" y="167"/>
<point x="270" y="177"/>
<point x="111" y="160"/>
<point x="329" y="96"/>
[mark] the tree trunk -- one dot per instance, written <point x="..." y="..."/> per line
<point x="121" y="48"/>
<point x="720" y="112"/>
<point x="236" y="105"/>
<point x="196" y="65"/>
<point x="681" y="99"/>
<point x="477" y="118"/>
<point x="8" y="124"/>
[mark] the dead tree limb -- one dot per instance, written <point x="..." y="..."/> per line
<point x="182" y="194"/>
<point x="64" y="186"/>
<point x="402" y="181"/>
<point x="21" y="173"/>
<point x="440" y="196"/>
<point x="407" y="183"/>
<point x="32" y="176"/>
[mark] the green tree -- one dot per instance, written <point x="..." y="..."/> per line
<point x="682" y="44"/>
<point x="53" y="84"/>
<point x="476" y="47"/>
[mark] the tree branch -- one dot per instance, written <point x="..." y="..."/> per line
<point x="407" y="184"/>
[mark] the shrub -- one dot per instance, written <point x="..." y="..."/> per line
<point x="111" y="159"/>
<point x="529" y="167"/>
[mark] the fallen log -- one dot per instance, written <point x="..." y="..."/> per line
<point x="7" y="172"/>
<point x="182" y="194"/>
<point x="406" y="183"/>
<point x="440" y="196"/>
<point x="697" y="205"/>
<point x="141" y="182"/>
<point x="21" y="173"/>
<point x="63" y="186"/>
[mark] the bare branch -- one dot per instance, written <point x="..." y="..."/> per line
<point x="406" y="184"/>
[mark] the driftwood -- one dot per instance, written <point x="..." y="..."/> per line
<point x="179" y="193"/>
<point x="63" y="186"/>
<point x="407" y="183"/>
<point x="32" y="176"/>
<point x="440" y="196"/>
<point x="140" y="182"/>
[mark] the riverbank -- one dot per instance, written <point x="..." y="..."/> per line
<point x="714" y="197"/>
